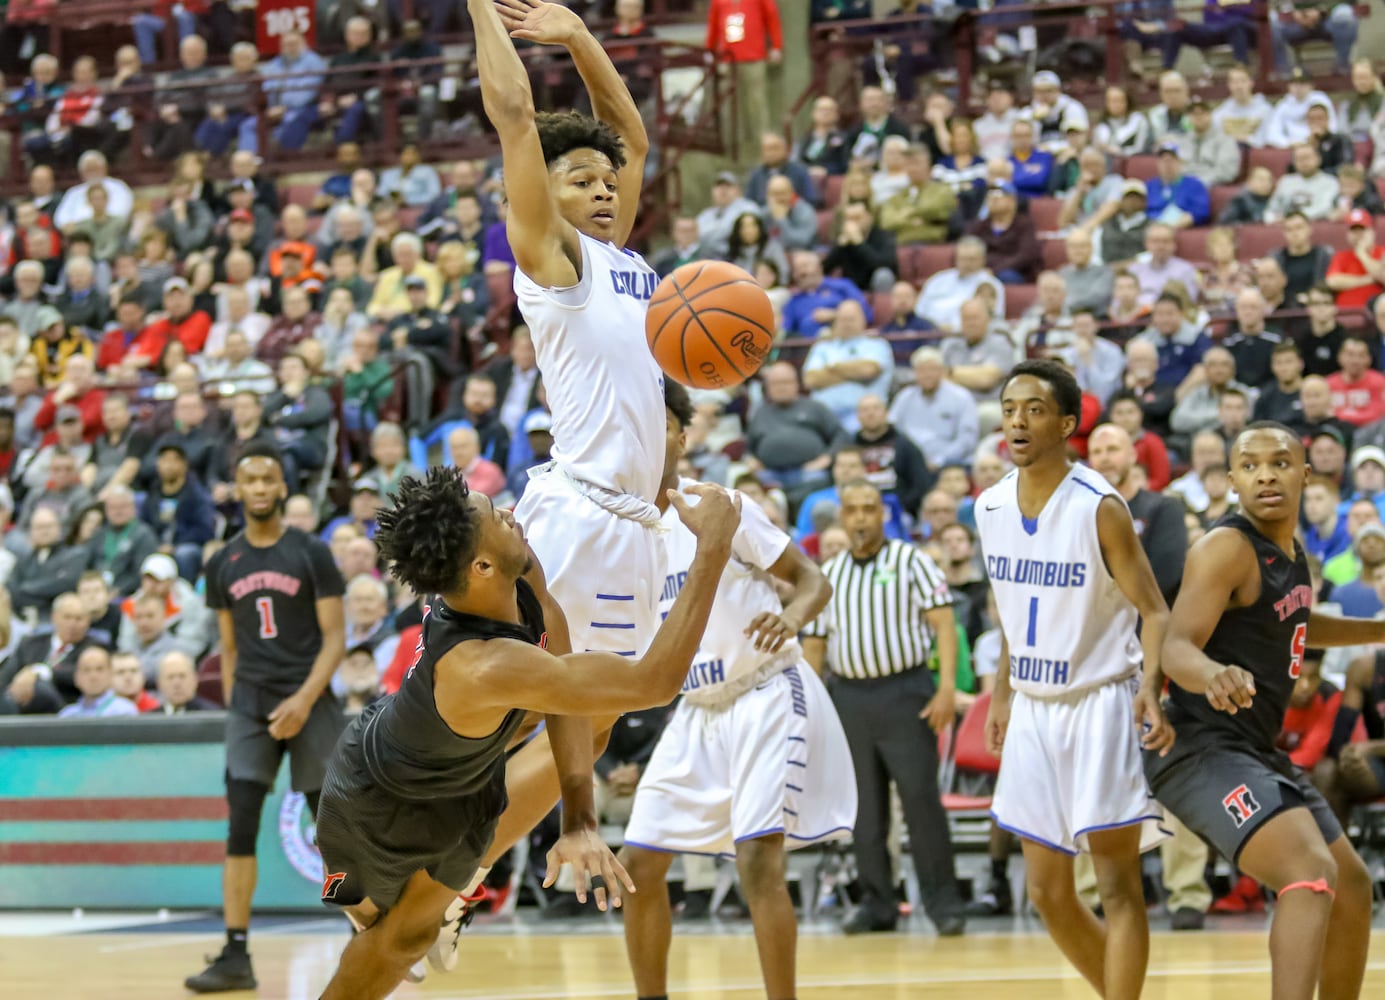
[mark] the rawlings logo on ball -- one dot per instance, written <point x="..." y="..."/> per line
<point x="744" y="341"/>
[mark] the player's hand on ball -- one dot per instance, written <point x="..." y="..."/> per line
<point x="771" y="631"/>
<point x="593" y="865"/>
<point x="941" y="710"/>
<point x="715" y="517"/>
<point x="997" y="721"/>
<point x="534" y="21"/>
<point x="287" y="720"/>
<point x="1155" y="731"/>
<point x="1231" y="689"/>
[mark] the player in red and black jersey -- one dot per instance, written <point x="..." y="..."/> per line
<point x="1234" y="650"/>
<point x="278" y="598"/>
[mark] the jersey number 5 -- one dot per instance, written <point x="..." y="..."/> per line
<point x="268" y="628"/>
<point x="1296" y="647"/>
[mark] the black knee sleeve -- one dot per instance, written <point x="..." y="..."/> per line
<point x="246" y="802"/>
<point x="313" y="799"/>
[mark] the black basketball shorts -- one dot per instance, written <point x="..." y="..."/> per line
<point x="1225" y="794"/>
<point x="253" y="755"/>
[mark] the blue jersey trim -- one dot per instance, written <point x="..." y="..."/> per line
<point x="1030" y="525"/>
<point x="1086" y="485"/>
<point x="611" y="625"/>
<point x="760" y="833"/>
<point x="615" y="597"/>
<point x="1123" y="824"/>
<point x="1029" y="836"/>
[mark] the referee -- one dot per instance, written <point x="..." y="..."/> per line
<point x="889" y="605"/>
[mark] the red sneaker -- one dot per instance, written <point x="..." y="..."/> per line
<point x="1245" y="897"/>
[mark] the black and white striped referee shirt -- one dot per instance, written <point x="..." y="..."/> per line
<point x="874" y="624"/>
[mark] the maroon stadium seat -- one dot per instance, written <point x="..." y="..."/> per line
<point x="1018" y="298"/>
<point x="1222" y="194"/>
<point x="831" y="191"/>
<point x="1143" y="167"/>
<point x="1332" y="235"/>
<point x="1192" y="244"/>
<point x="209" y="679"/>
<point x="920" y="262"/>
<point x="1278" y="160"/>
<point x="1258" y="240"/>
<point x="1044" y="212"/>
<point x="1055" y="253"/>
<point x="827" y="220"/>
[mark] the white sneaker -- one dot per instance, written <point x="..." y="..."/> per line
<point x="443" y="955"/>
<point x="417" y="973"/>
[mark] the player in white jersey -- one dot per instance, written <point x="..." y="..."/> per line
<point x="1071" y="583"/>
<point x="573" y="187"/>
<point x="754" y="760"/>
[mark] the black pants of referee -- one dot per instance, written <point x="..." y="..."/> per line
<point x="889" y="742"/>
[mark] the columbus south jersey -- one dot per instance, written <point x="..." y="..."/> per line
<point x="727" y="656"/>
<point x="1066" y="622"/>
<point x="604" y="388"/>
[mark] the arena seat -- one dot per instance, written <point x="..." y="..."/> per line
<point x="1018" y="298"/>
<point x="1143" y="167"/>
<point x="831" y="190"/>
<point x="1364" y="151"/>
<point x="1192" y="244"/>
<point x="1044" y="212"/>
<point x="1258" y="240"/>
<point x="827" y="220"/>
<point x="1055" y="253"/>
<point x="209" y="679"/>
<point x="1330" y="234"/>
<point x="1222" y="195"/>
<point x="1277" y="160"/>
<point x="920" y="261"/>
<point x="967" y="770"/>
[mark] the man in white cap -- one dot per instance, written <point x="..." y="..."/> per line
<point x="1054" y="112"/>
<point x="54" y="343"/>
<point x="538" y="430"/>
<point x="185" y="613"/>
<point x="180" y="319"/>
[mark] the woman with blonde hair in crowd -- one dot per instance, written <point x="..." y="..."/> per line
<point x="1123" y="129"/>
<point x="964" y="169"/>
<point x="1224" y="276"/>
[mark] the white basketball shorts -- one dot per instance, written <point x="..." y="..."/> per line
<point x="774" y="761"/>
<point x="605" y="571"/>
<point x="1072" y="766"/>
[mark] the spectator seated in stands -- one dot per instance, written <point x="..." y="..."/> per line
<point x="877" y="122"/>
<point x="1357" y="113"/>
<point x="1367" y="478"/>
<point x="1304" y="264"/>
<point x="127" y="680"/>
<point x="846" y="362"/>
<point x="1180" y="344"/>
<point x="179" y="509"/>
<point x="300" y="414"/>
<point x="33" y="470"/>
<point x="1244" y="115"/>
<point x="391" y="296"/>
<point x="181" y="319"/>
<point x="185" y="612"/>
<point x="904" y="299"/>
<point x="347" y="96"/>
<point x="940" y="301"/>
<point x="789" y="435"/>
<point x="412" y="183"/>
<point x="1067" y="159"/>
<point x="921" y="211"/>
<point x="28" y="298"/>
<point x="1325" y="533"/>
<point x="76" y="122"/>
<point x="237" y="367"/>
<point x="1208" y="153"/>
<point x="893" y="462"/>
<point x="148" y="636"/>
<point x="1089" y="285"/>
<point x="366" y="501"/>
<point x="78" y="391"/>
<point x="1158" y="265"/>
<point x="1170" y="118"/>
<point x="1315" y="19"/>
<point x="1200" y="407"/>
<point x="865" y="253"/>
<point x="231" y="106"/>
<point x="1127" y="413"/>
<point x="478" y="405"/>
<point x="1208" y="452"/>
<point x="1363" y="558"/>
<point x="775" y="162"/>
<point x="686" y="247"/>
<point x="366" y="382"/>
<point x="823" y="149"/>
<point x="464" y="452"/>
<point x="388" y="453"/>
<point x="40" y="93"/>
<point x="937" y="414"/>
<point x="123" y="543"/>
<point x="75" y="208"/>
<point x="188" y="221"/>
<point x="178" y="686"/>
<point x="1030" y="168"/>
<point x="1097" y="362"/>
<point x="1357" y="273"/>
<point x="1358" y="390"/>
<point x="1223" y="23"/>
<point x="978" y="357"/>
<point x="816" y="298"/>
<point x="848" y="465"/>
<point x="55" y="344"/>
<point x="1047" y="324"/>
<point x="715" y="222"/>
<point x="1052" y="111"/>
<point x="39" y="677"/>
<point x="891" y="177"/>
<point x="1309" y="189"/>
<point x="292" y="99"/>
<point x="788" y="218"/>
<point x="1094" y="194"/>
<point x="98" y="697"/>
<point x="1123" y="235"/>
<point x="1288" y="123"/>
<point x="1012" y="246"/>
<point x="1176" y="198"/>
<point x="61" y="492"/>
<point x="1279" y="398"/>
<point x="751" y="243"/>
<point x="80" y="302"/>
<point x="1357" y="193"/>
<point x="1251" y="342"/>
<point x="358" y="677"/>
<point x="295" y="324"/>
<point x="1123" y="130"/>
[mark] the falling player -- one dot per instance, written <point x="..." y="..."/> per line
<point x="1236" y="641"/>
<point x="754" y="759"/>
<point x="277" y="594"/>
<point x="417" y="784"/>
<point x="573" y="185"/>
<point x="1071" y="583"/>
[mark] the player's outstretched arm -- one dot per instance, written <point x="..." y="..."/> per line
<point x="519" y="675"/>
<point x="553" y="24"/>
<point x="1130" y="568"/>
<point x="1334" y="630"/>
<point x="1219" y="566"/>
<point x="543" y="243"/>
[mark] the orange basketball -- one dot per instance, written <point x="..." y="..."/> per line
<point x="710" y="325"/>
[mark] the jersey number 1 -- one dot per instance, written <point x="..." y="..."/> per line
<point x="1296" y="647"/>
<point x="265" y="607"/>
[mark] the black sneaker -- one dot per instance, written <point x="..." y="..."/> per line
<point x="865" y="922"/>
<point x="227" y="971"/>
<point x="992" y="904"/>
<point x="953" y="926"/>
<point x="1185" y="918"/>
<point x="697" y="905"/>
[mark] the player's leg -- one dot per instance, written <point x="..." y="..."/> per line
<point x="1348" y="928"/>
<point x="1116" y="858"/>
<point x="376" y="960"/>
<point x="648" y="919"/>
<point x="1076" y="931"/>
<point x="760" y="864"/>
<point x="1287" y="853"/>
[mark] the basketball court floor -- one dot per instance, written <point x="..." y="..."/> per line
<point x="140" y="957"/>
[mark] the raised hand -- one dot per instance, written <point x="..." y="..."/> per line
<point x="716" y="516"/>
<point x="535" y="21"/>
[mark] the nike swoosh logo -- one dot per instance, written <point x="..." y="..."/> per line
<point x="997" y="507"/>
<point x="1269" y="561"/>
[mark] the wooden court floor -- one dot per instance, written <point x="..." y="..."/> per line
<point x="533" y="963"/>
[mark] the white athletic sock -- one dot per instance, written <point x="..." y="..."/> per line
<point x="476" y="881"/>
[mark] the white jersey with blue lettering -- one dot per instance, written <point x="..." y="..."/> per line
<point x="1067" y="623"/>
<point x="604" y="388"/>
<point x="727" y="663"/>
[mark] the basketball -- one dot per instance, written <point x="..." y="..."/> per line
<point x="710" y="325"/>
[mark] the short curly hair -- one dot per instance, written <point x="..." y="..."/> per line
<point x="678" y="402"/>
<point x="430" y="534"/>
<point x="561" y="133"/>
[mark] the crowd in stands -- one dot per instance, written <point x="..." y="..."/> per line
<point x="1198" y="264"/>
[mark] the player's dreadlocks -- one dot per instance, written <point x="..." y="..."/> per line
<point x="429" y="536"/>
<point x="560" y="134"/>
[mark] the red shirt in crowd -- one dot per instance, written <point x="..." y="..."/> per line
<point x="78" y="105"/>
<point x="1308" y="728"/>
<point x="148" y="343"/>
<point x="192" y="330"/>
<point x="1361" y="402"/>
<point x="1151" y="453"/>
<point x="737" y="30"/>
<point x="404" y="654"/>
<point x="1346" y="262"/>
<point x="88" y="402"/>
